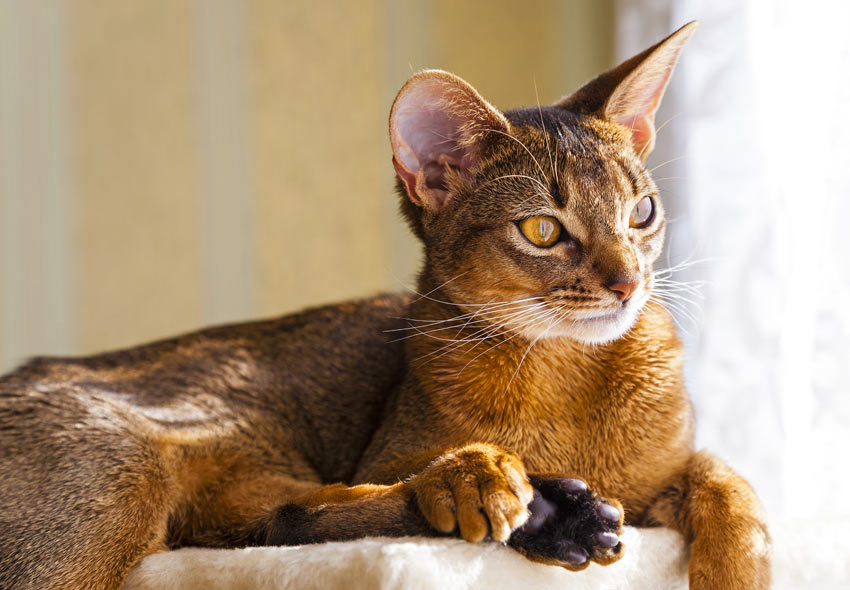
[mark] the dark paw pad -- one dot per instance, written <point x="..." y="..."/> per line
<point x="569" y="525"/>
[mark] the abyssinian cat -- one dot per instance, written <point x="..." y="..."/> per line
<point x="530" y="393"/>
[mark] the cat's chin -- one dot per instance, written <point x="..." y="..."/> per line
<point x="601" y="329"/>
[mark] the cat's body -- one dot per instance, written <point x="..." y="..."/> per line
<point x="436" y="404"/>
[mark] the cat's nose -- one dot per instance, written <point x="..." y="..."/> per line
<point x="624" y="289"/>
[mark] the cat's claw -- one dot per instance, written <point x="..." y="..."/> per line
<point x="569" y="525"/>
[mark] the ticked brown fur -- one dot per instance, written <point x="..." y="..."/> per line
<point x="446" y="413"/>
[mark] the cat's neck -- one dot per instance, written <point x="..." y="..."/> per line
<point x="473" y="371"/>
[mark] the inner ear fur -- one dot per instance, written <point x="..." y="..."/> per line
<point x="438" y="123"/>
<point x="630" y="94"/>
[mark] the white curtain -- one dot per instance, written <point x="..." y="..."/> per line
<point x="754" y="169"/>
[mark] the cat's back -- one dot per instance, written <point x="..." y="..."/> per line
<point x="330" y="366"/>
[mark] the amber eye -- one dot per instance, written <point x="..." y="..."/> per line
<point x="642" y="214"/>
<point x="541" y="231"/>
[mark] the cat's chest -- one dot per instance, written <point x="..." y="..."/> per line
<point x="557" y="427"/>
<point x="620" y="430"/>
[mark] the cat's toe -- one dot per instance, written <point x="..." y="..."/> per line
<point x="542" y="510"/>
<point x="572" y="553"/>
<point x="608" y="512"/>
<point x="606" y="539"/>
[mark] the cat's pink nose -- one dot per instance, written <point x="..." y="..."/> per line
<point x="624" y="289"/>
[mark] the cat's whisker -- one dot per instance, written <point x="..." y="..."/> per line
<point x="532" y="323"/>
<point x="653" y="301"/>
<point x="664" y="275"/>
<point x="680" y="308"/>
<point x="495" y="331"/>
<point x="694" y="287"/>
<point x="427" y="333"/>
<point x="438" y="287"/>
<point x="482" y="335"/>
<point x="668" y="178"/>
<point x="540" y="192"/>
<point x="679" y="294"/>
<point x="670" y="161"/>
<point x="558" y="319"/>
<point x="501" y="323"/>
<point x="516" y="139"/>
<point x="462" y="304"/>
<point x="657" y="131"/>
<point x="425" y="323"/>
<point x="523" y="176"/>
<point x="678" y="290"/>
<point x="505" y="317"/>
<point x="667" y="279"/>
<point x="545" y="134"/>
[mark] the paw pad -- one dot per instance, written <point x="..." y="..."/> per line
<point x="568" y="525"/>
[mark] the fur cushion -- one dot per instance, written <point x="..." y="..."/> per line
<point x="654" y="558"/>
<point x="806" y="554"/>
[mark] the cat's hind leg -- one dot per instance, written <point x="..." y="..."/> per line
<point x="82" y="496"/>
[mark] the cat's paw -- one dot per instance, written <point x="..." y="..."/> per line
<point x="569" y="525"/>
<point x="477" y="489"/>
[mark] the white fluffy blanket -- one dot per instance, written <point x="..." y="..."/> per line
<point x="805" y="556"/>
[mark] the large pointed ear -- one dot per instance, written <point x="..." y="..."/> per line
<point x="438" y="123"/>
<point x="631" y="93"/>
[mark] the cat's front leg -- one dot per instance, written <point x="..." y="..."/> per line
<point x="477" y="491"/>
<point x="722" y="518"/>
<point x="474" y="490"/>
<point x="480" y="489"/>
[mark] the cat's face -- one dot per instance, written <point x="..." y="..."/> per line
<point x="561" y="217"/>
<point x="542" y="220"/>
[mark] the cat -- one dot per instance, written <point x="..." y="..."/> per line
<point x="530" y="393"/>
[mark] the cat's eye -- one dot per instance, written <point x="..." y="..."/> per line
<point x="642" y="214"/>
<point x="542" y="231"/>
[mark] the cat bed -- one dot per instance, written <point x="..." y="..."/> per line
<point x="654" y="558"/>
<point x="806" y="555"/>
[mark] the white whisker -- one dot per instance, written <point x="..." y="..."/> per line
<point x="539" y="167"/>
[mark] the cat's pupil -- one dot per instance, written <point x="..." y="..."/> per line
<point x="546" y="229"/>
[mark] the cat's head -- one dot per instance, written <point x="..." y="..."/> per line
<point x="543" y="220"/>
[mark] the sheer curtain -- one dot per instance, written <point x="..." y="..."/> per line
<point x="753" y="163"/>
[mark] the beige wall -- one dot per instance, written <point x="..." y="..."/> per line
<point x="165" y="165"/>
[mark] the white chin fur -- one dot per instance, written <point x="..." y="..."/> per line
<point x="599" y="330"/>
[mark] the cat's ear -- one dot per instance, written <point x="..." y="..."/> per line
<point x="631" y="93"/>
<point x="438" y="123"/>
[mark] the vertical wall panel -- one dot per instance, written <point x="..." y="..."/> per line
<point x="135" y="119"/>
<point x="318" y="151"/>
<point x="35" y="259"/>
<point x="227" y="216"/>
<point x="503" y="48"/>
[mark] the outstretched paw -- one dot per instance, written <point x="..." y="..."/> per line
<point x="569" y="526"/>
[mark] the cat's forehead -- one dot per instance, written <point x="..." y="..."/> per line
<point x="582" y="156"/>
<point x="580" y="135"/>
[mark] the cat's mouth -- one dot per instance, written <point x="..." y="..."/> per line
<point x="607" y="326"/>
<point x="601" y="325"/>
